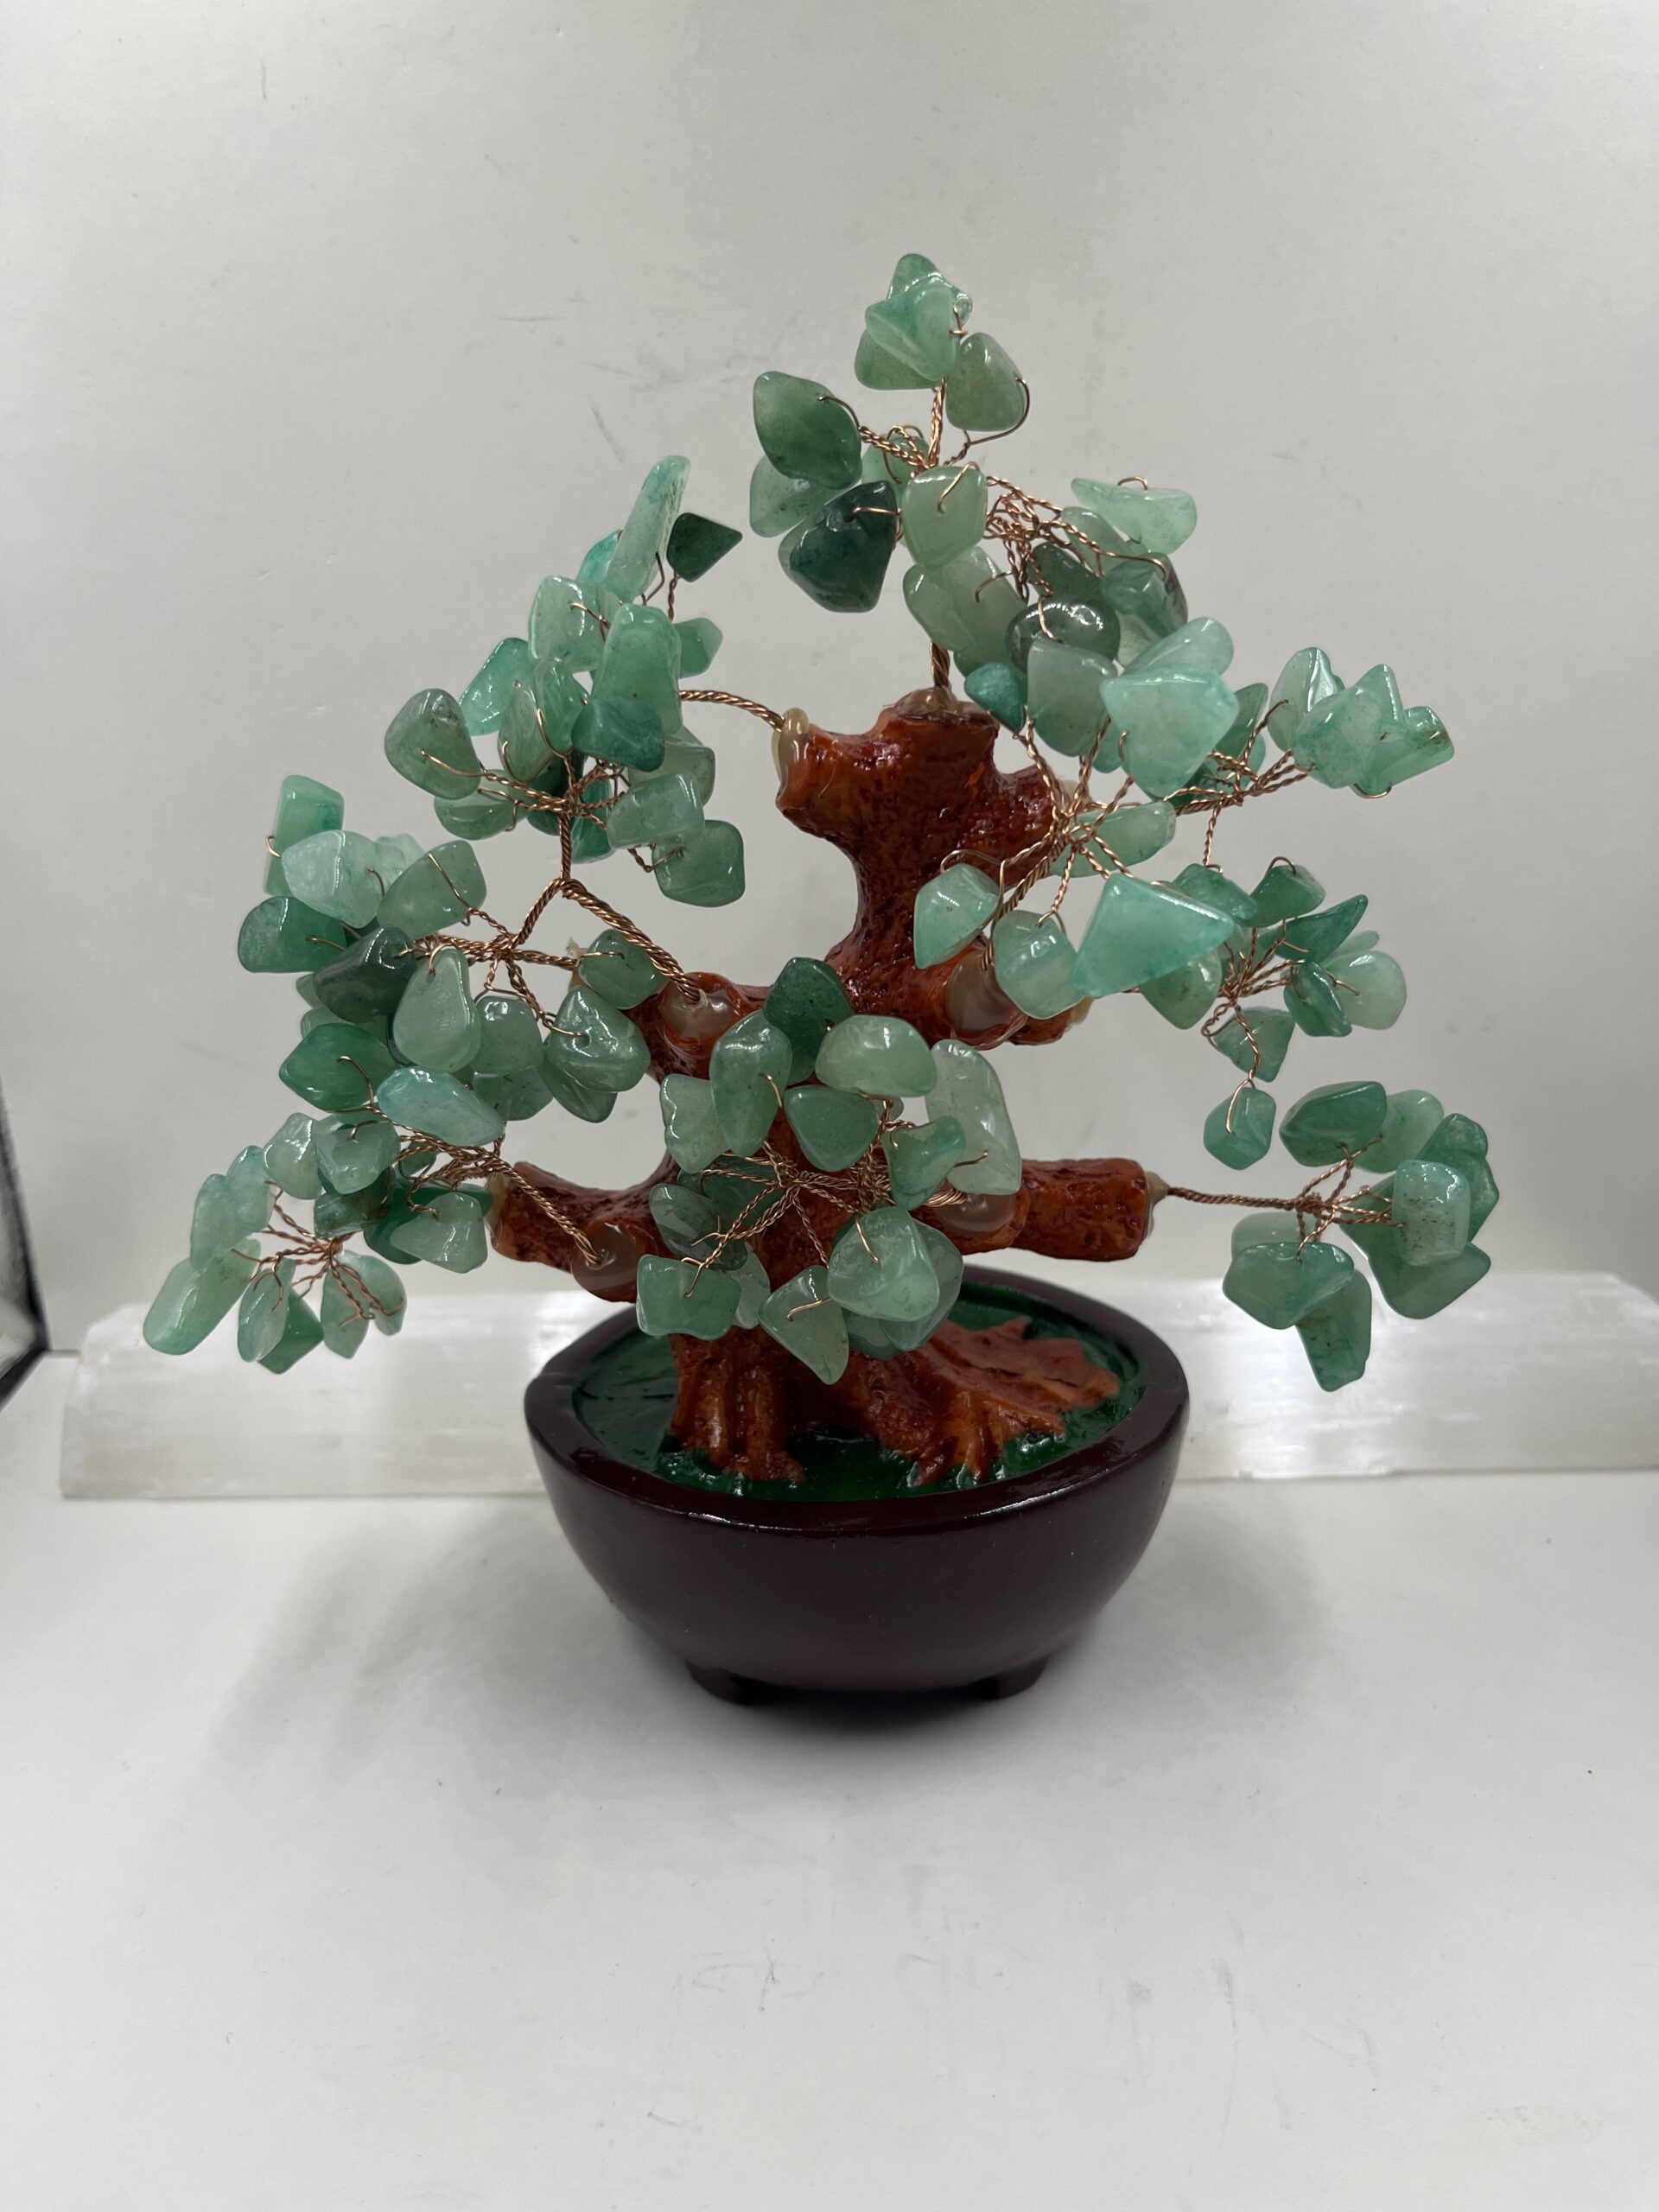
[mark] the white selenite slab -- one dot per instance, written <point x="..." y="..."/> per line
<point x="1531" y="1372"/>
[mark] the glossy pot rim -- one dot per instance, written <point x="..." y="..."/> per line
<point x="1153" y="1421"/>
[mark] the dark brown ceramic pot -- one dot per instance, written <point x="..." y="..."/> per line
<point x="939" y="1590"/>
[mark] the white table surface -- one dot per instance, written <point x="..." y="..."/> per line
<point x="354" y="1857"/>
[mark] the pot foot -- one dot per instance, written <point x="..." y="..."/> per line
<point x="1012" y="1681"/>
<point x="736" y="1689"/>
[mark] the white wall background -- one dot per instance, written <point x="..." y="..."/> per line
<point x="330" y="327"/>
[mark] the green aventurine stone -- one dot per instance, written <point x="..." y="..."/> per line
<point x="344" y="1314"/>
<point x="337" y="1066"/>
<point x="509" y="1036"/>
<point x="595" y="565"/>
<point x="192" y="1301"/>
<point x="683" y="755"/>
<point x="915" y="326"/>
<point x="1202" y="644"/>
<point x="435" y="1026"/>
<point x="1150" y="601"/>
<point x="661" y="810"/>
<point x="1429" y="1204"/>
<point x="684" y="1215"/>
<point x="967" y="1091"/>
<point x="965" y="606"/>
<point x="1418" y="742"/>
<point x="291" y="1158"/>
<point x="1186" y="995"/>
<point x="920" y="1159"/>
<point x="700" y="640"/>
<point x="1337" y="1336"/>
<point x="558" y="699"/>
<point x="442" y="886"/>
<point x="339" y="1213"/>
<point x="354" y="1150"/>
<point x="748" y="1070"/>
<point x="1166" y="721"/>
<point x="833" y="1127"/>
<point x="1238" y="1131"/>
<point x="982" y="389"/>
<point x="1412" y="1119"/>
<point x="944" y="512"/>
<point x="1336" y="1118"/>
<point x="302" y="1333"/>
<point x="674" y="1299"/>
<point x="1139" y="931"/>
<point x="1336" y="741"/>
<point x="1373" y="988"/>
<point x="1460" y="1143"/>
<point x="1285" y="892"/>
<point x="1063" y="687"/>
<point x="587" y="839"/>
<point x="840" y="558"/>
<point x="1417" y="1293"/>
<point x="741" y="1190"/>
<point x="1315" y="1004"/>
<point x="380" y="1289"/>
<point x="880" y="1266"/>
<point x="581" y="1099"/>
<point x="284" y="937"/>
<point x="999" y="687"/>
<point x="1317" y="936"/>
<point x="1154" y="519"/>
<point x="485" y="699"/>
<point x="619" y="730"/>
<point x="1278" y="1285"/>
<point x="1255" y="1042"/>
<point x="304" y="808"/>
<point x="225" y="1213"/>
<point x="595" y="1043"/>
<point x="620" y="972"/>
<point x="518" y="1096"/>
<point x="951" y="911"/>
<point x="335" y="872"/>
<point x="803" y="1317"/>
<point x="262" y="1313"/>
<point x="691" y="1127"/>
<point x="882" y="1339"/>
<point x="366" y="982"/>
<point x="1214" y="889"/>
<point x="563" y="623"/>
<point x="641" y="663"/>
<point x="1033" y="958"/>
<point x="428" y="742"/>
<point x="805" y="431"/>
<point x="877" y="1055"/>
<point x="643" y="537"/>
<point x="806" y="1002"/>
<point x="526" y="749"/>
<point x="705" y="870"/>
<point x="778" y="502"/>
<point x="1304" y="682"/>
<point x="446" y="1227"/>
<point x="438" y="1106"/>
<point x="1133" y="834"/>
<point x="753" y="1288"/>
<point x="696" y="544"/>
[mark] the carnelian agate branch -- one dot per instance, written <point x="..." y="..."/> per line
<point x="899" y="801"/>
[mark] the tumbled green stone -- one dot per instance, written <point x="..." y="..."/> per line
<point x="1140" y="930"/>
<point x="380" y="1291"/>
<point x="684" y="1215"/>
<point x="840" y="558"/>
<point x="1420" y="742"/>
<point x="446" y="1227"/>
<point x="595" y="1043"/>
<point x="304" y="808"/>
<point x="748" y="1070"/>
<point x="366" y="982"/>
<point x="621" y="973"/>
<point x="428" y="743"/>
<point x="878" y="1055"/>
<point x="587" y="839"/>
<point x="999" y="687"/>
<point x="1285" y="892"/>
<point x="337" y="1066"/>
<point x="1355" y="942"/>
<point x="644" y="536"/>
<point x="435" y="1026"/>
<point x="682" y="755"/>
<point x="916" y="325"/>
<point x="1256" y="1041"/>
<point x="563" y="623"/>
<point x="700" y="640"/>
<point x="1428" y="1204"/>
<point x="1336" y="1119"/>
<point x="966" y="606"/>
<point x="334" y="873"/>
<point x="833" y="1127"/>
<point x="1315" y="1004"/>
<point x="706" y="869"/>
<point x="884" y="1339"/>
<point x="695" y="544"/>
<point x="951" y="911"/>
<point x="1061" y="622"/>
<point x="661" y="810"/>
<point x="302" y="1333"/>
<point x="1215" y="889"/>
<point x="518" y="1096"/>
<point x="1306" y="682"/>
<point x="1238" y="1131"/>
<point x="1277" y="1284"/>
<point x="443" y="887"/>
<point x="920" y="1159"/>
<point x="983" y="388"/>
<point x="1142" y="589"/>
<point x="805" y="431"/>
<point x="1265" y="1228"/>
<point x="225" y="1215"/>
<point x="1033" y="958"/>
<point x="437" y="1105"/>
<point x="344" y="1315"/>
<point x="1417" y="1293"/>
<point x="354" y="1150"/>
<point x="559" y="699"/>
<point x="1164" y="723"/>
<point x="1458" y="1142"/>
<point x="1202" y="644"/>
<point x="584" y="1100"/>
<point x="741" y="1190"/>
<point x="1412" y="1119"/>
<point x="284" y="937"/>
<point x="1064" y="688"/>
<point x="485" y="698"/>
<point x="1156" y="518"/>
<point x="1133" y="834"/>
<point x="879" y="1265"/>
<point x="525" y="748"/>
<point x="192" y="1301"/>
<point x="881" y="371"/>
<point x="1373" y="988"/>
<point x="595" y="565"/>
<point x="291" y="1158"/>
<point x="778" y="502"/>
<point x="1336" y="1334"/>
<point x="674" y="1299"/>
<point x="1336" y="739"/>
<point x="803" y="1317"/>
<point x="262" y="1314"/>
<point x="944" y="512"/>
<point x="620" y="730"/>
<point x="1186" y="995"/>
<point x="1317" y="937"/>
<point x="508" y="1035"/>
<point x="894" y="467"/>
<point x="641" y="663"/>
<point x="753" y="1288"/>
<point x="968" y="1090"/>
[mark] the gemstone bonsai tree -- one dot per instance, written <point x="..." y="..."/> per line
<point x="836" y="1136"/>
